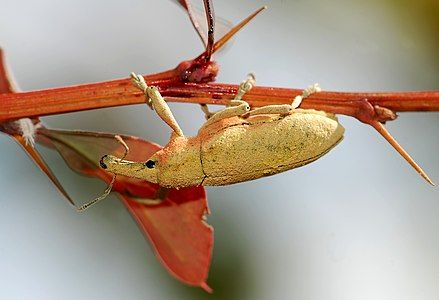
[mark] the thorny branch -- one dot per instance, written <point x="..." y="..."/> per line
<point x="121" y="92"/>
<point x="189" y="83"/>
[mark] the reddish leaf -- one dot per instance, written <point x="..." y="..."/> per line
<point x="180" y="237"/>
<point x="10" y="128"/>
<point x="182" y="240"/>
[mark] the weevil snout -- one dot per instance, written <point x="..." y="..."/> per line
<point x="102" y="163"/>
<point x="107" y="161"/>
<point x="140" y="170"/>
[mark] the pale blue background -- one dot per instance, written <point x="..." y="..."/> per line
<point x="357" y="224"/>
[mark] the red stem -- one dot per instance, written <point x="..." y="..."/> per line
<point x="77" y="98"/>
<point x="121" y="92"/>
<point x="336" y="102"/>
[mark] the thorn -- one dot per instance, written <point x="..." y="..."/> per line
<point x="386" y="134"/>
<point x="222" y="41"/>
<point x="7" y="84"/>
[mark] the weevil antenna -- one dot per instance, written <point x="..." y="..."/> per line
<point x="100" y="198"/>
<point x="386" y="134"/>
<point x="122" y="142"/>
<point x="110" y="185"/>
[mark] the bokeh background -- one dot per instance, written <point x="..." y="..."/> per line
<point x="356" y="224"/>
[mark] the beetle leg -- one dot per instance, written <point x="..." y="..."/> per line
<point x="156" y="101"/>
<point x="281" y="109"/>
<point x="207" y="113"/>
<point x="245" y="86"/>
<point x="315" y="88"/>
<point x="236" y="108"/>
<point x="285" y="109"/>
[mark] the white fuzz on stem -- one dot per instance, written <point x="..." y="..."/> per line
<point x="28" y="129"/>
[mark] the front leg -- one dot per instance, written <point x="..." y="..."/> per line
<point x="156" y="101"/>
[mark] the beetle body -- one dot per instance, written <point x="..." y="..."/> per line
<point x="237" y="149"/>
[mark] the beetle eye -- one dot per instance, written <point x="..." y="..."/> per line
<point x="150" y="164"/>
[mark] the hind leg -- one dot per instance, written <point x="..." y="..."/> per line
<point x="315" y="88"/>
<point x="235" y="107"/>
<point x="285" y="109"/>
<point x="281" y="109"/>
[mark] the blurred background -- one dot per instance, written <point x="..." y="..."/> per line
<point x="357" y="224"/>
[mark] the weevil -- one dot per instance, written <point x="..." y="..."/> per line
<point x="235" y="144"/>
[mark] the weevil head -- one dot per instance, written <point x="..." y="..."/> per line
<point x="176" y="165"/>
<point x="141" y="170"/>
